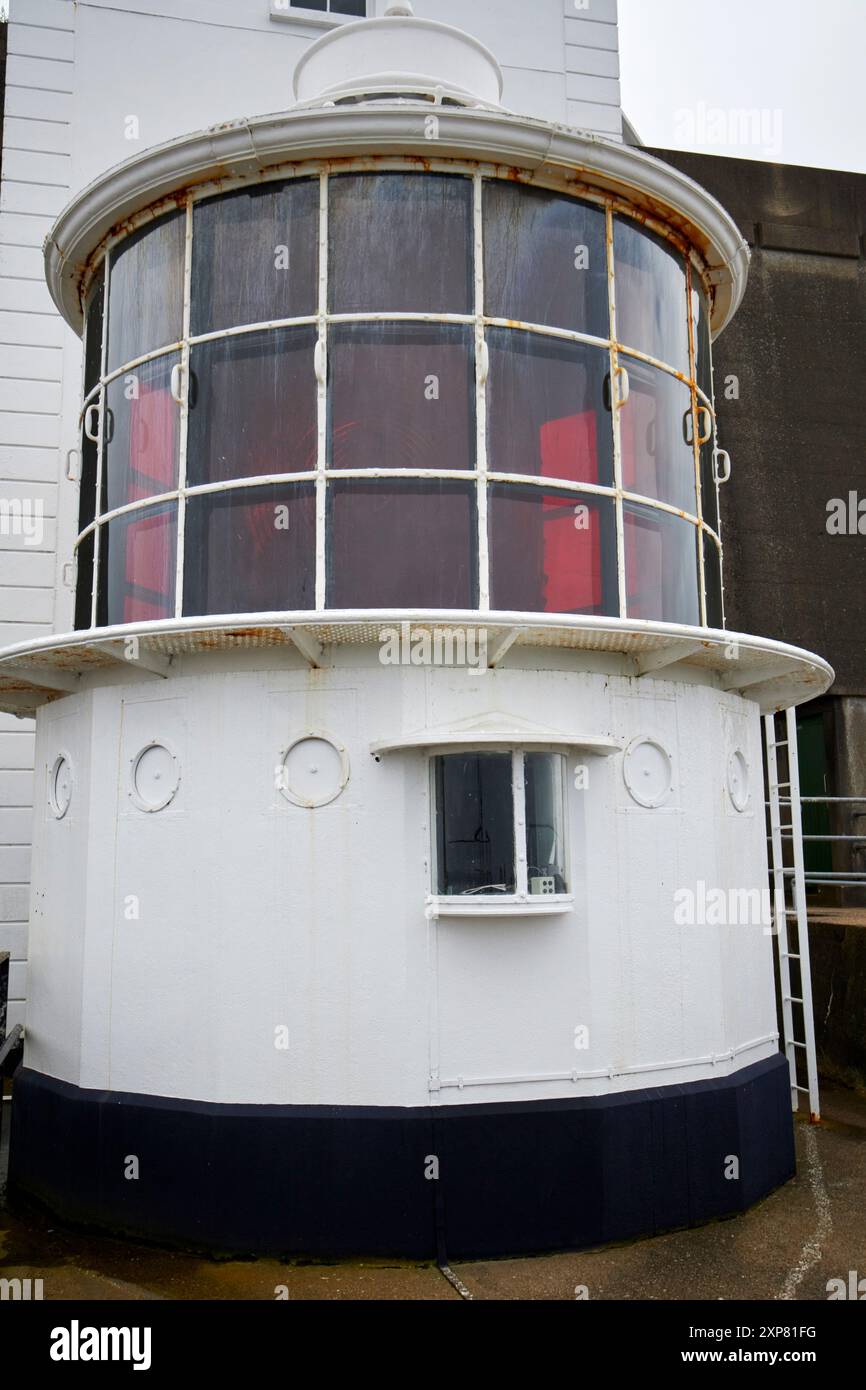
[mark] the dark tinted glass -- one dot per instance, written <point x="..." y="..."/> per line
<point x="544" y="259"/>
<point x="660" y="566"/>
<point x="142" y="430"/>
<point x="252" y="406"/>
<point x="251" y="551"/>
<point x="713" y="582"/>
<point x="402" y="396"/>
<point x="545" y="823"/>
<point x="145" y="290"/>
<point x="475" y="823"/>
<point x="709" y="487"/>
<point x="657" y="431"/>
<point x="551" y="552"/>
<point x="84" y="582"/>
<point x="400" y="242"/>
<point x="402" y="544"/>
<point x="700" y="315"/>
<point x="93" y="316"/>
<point x="137" y="557"/>
<point x="547" y="414"/>
<point x="255" y="255"/>
<point x="651" y="304"/>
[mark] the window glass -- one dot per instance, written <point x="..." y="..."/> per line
<point x="545" y="822"/>
<point x="400" y="243"/>
<point x="474" y="823"/>
<point x="713" y="582"/>
<point x="545" y="259"/>
<point x="92" y="368"/>
<point x="145" y="290"/>
<point x="84" y="582"/>
<point x="255" y="255"/>
<point x="651" y="305"/>
<point x="137" y="558"/>
<point x="401" y="544"/>
<point x="551" y="552"/>
<point x="660" y="566"/>
<point x="93" y="316"/>
<point x="401" y="396"/>
<point x="252" y="406"/>
<point x="701" y="318"/>
<point x="142" y="430"/>
<point x="250" y="551"/>
<point x="547" y="408"/>
<point x="709" y="486"/>
<point x="657" y="432"/>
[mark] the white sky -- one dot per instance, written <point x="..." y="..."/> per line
<point x="693" y="69"/>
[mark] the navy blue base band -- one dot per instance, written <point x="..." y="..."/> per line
<point x="329" y="1181"/>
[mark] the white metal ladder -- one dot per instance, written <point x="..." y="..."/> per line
<point x="790" y="910"/>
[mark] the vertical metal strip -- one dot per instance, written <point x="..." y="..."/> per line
<point x="615" y="413"/>
<point x="702" y="586"/>
<point x="519" y="800"/>
<point x="780" y="904"/>
<point x="802" y="918"/>
<point x="184" y="413"/>
<point x="100" y="442"/>
<point x="481" y="371"/>
<point x="322" y="400"/>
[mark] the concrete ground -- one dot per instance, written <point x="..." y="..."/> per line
<point x="788" y="1247"/>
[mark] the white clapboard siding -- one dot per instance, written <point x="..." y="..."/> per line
<point x="36" y="178"/>
<point x="592" y="67"/>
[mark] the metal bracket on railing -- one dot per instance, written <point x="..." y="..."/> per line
<point x="91" y="432"/>
<point x="722" y="474"/>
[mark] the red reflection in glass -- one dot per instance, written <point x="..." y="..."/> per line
<point x="551" y="552"/>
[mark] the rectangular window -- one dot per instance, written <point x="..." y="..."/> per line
<point x="500" y="826"/>
<point x="356" y="8"/>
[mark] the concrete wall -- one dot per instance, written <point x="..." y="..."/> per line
<point x="92" y="83"/>
<point x="168" y="946"/>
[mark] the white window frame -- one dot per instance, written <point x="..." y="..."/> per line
<point x="327" y="18"/>
<point x="521" y="902"/>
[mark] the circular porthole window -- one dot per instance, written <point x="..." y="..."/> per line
<point x="155" y="777"/>
<point x="315" y="770"/>
<point x="648" y="772"/>
<point x="738" y="780"/>
<point x="60" y="786"/>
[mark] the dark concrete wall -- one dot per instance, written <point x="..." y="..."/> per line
<point x="797" y="433"/>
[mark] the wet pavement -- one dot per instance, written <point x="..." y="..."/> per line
<point x="788" y="1247"/>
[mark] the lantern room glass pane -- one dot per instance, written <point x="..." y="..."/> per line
<point x="252" y="406"/>
<point x="545" y="259"/>
<point x="651" y="303"/>
<point x="252" y="550"/>
<point x="548" y="408"/>
<point x="137" y="560"/>
<point x="661" y="566"/>
<point x="401" y="396"/>
<point x="93" y="324"/>
<point x="255" y="255"/>
<point x="657" y="432"/>
<point x="701" y="318"/>
<point x="142" y="431"/>
<point x="395" y="543"/>
<point x="474" y="824"/>
<point x="89" y="450"/>
<point x="400" y="243"/>
<point x="145" y="290"/>
<point x="709" y="486"/>
<point x="545" y="823"/>
<point x="551" y="552"/>
<point x="713" y="582"/>
<point x="84" y="582"/>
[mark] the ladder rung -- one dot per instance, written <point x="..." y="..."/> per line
<point x="792" y="999"/>
<point x="804" y="1089"/>
<point x="789" y="955"/>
